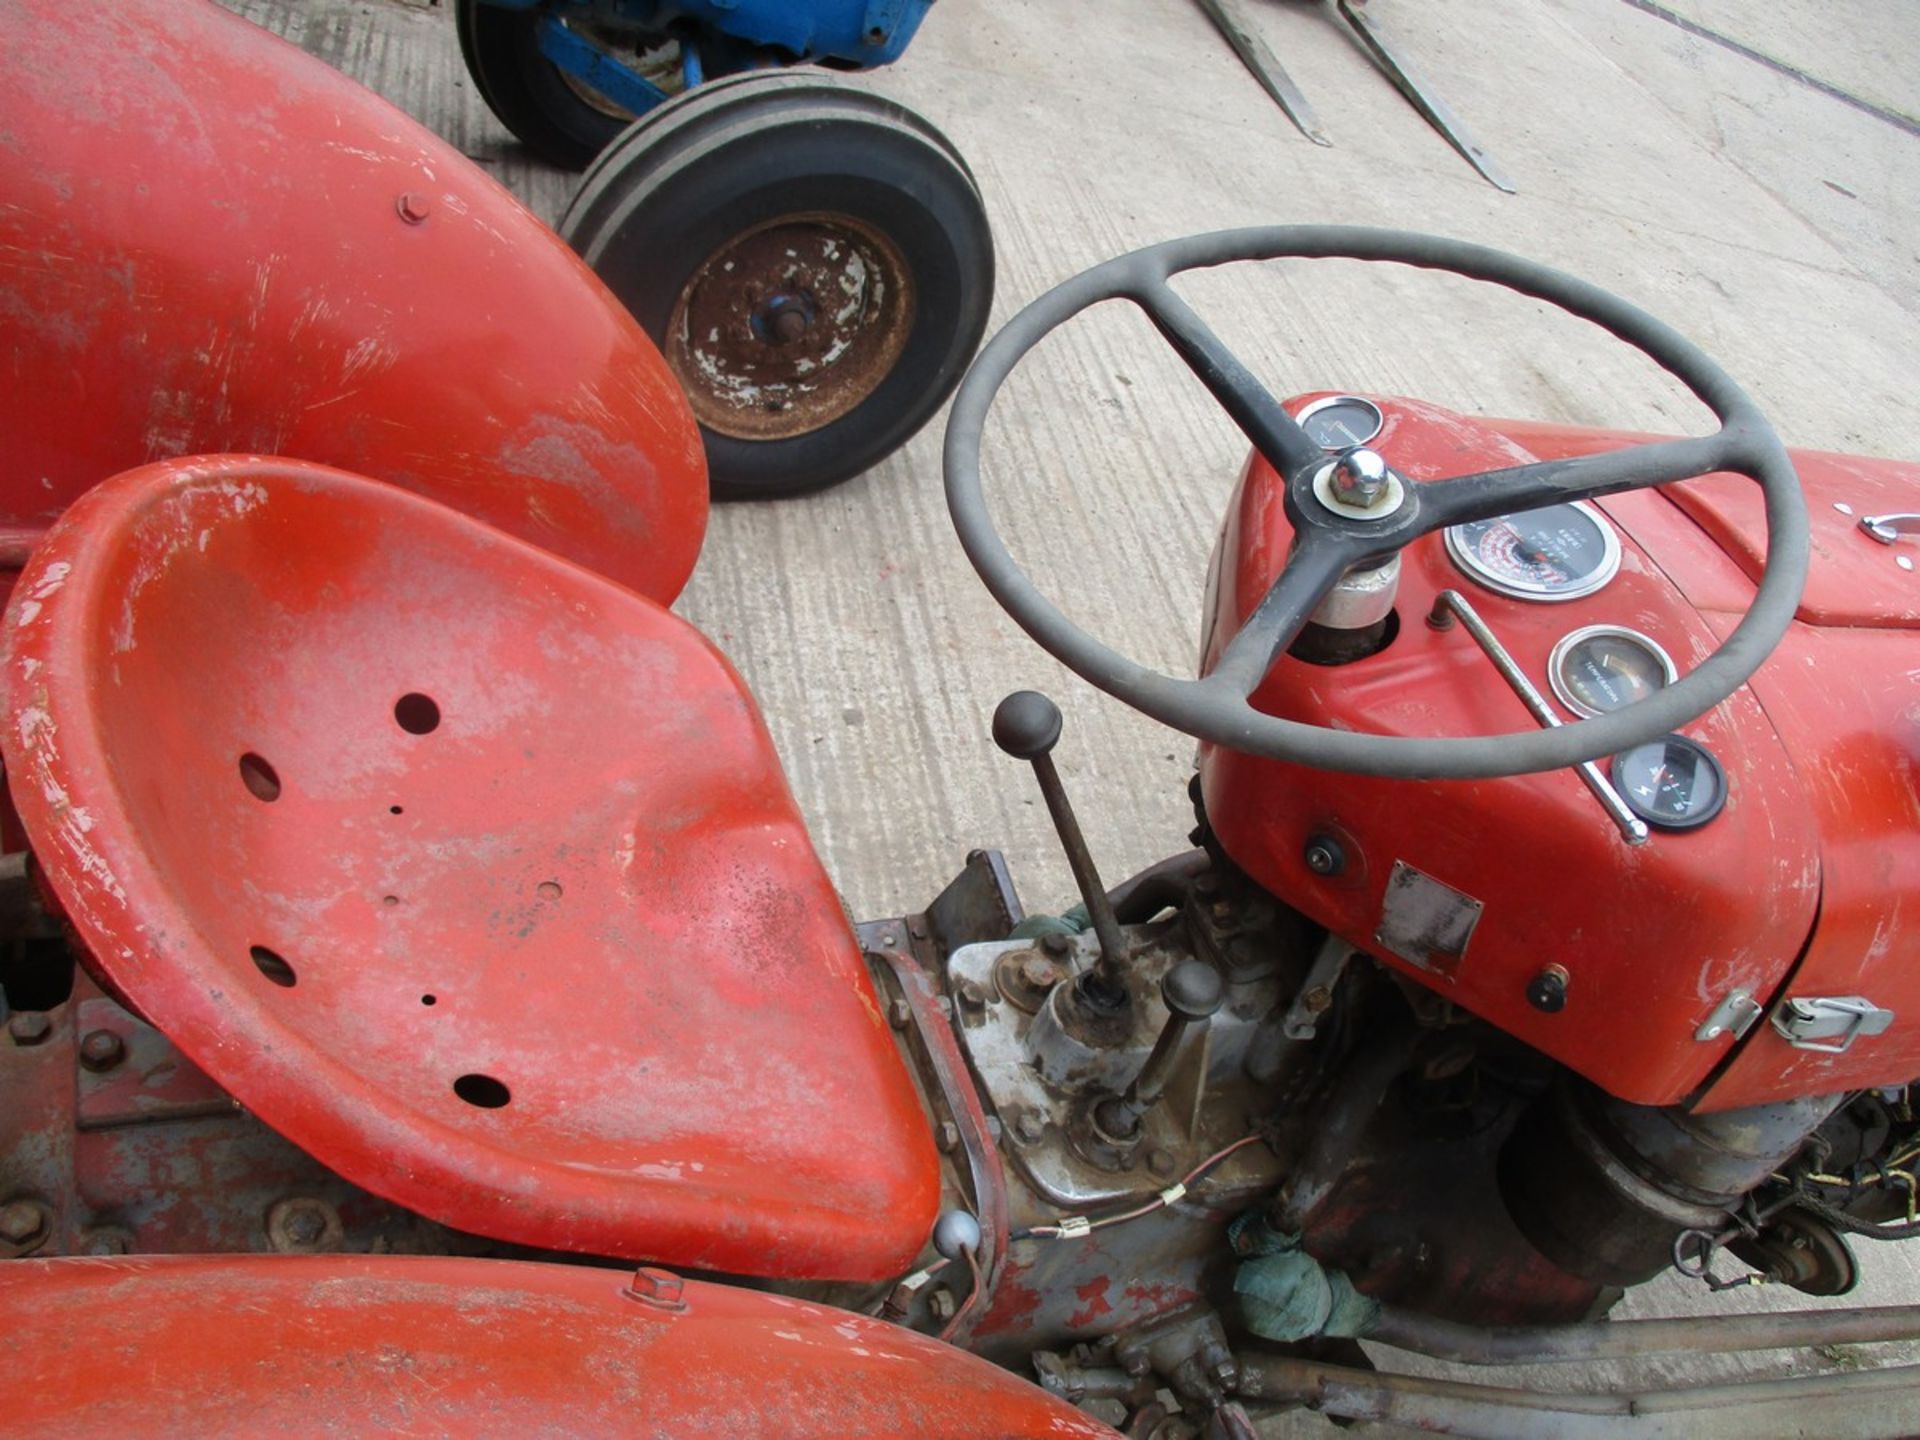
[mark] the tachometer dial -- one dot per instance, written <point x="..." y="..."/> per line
<point x="1341" y="421"/>
<point x="1558" y="552"/>
<point x="1602" y="668"/>
<point x="1672" y="783"/>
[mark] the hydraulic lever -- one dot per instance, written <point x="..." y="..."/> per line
<point x="1027" y="726"/>
<point x="1193" y="991"/>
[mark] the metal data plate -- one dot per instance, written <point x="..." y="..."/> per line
<point x="1425" y="922"/>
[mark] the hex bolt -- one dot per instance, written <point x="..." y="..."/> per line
<point x="1028" y="1127"/>
<point x="20" y="1221"/>
<point x="1160" y="1162"/>
<point x="899" y="1014"/>
<point x="1056" y="944"/>
<point x="947" y="1137"/>
<point x="972" y="996"/>
<point x="29" y="1027"/>
<point x="941" y="1303"/>
<point x="108" y="1240"/>
<point x="1036" y="972"/>
<point x="101" y="1050"/>
<point x="658" y="1289"/>
<point x="303" y="1225"/>
<point x="413" y="207"/>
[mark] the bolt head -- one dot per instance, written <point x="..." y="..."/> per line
<point x="29" y="1027"/>
<point x="1359" y="477"/>
<point x="661" y="1289"/>
<point x="413" y="207"/>
<point x="947" y="1137"/>
<point x="899" y="1014"/>
<point x="1037" y="972"/>
<point x="942" y="1304"/>
<point x="102" y="1050"/>
<point x="1028" y="1127"/>
<point x="972" y="994"/>
<point x="1160" y="1162"/>
<point x="20" y="1221"/>
<point x="1056" y="944"/>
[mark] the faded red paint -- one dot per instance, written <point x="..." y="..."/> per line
<point x="363" y="1345"/>
<point x="1093" y="1295"/>
<point x="586" y="880"/>
<point x="1841" y="693"/>
<point x="202" y="250"/>
<point x="1653" y="937"/>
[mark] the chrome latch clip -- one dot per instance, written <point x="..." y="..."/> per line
<point x="1829" y="1023"/>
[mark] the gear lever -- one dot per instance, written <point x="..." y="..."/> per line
<point x="1027" y="726"/>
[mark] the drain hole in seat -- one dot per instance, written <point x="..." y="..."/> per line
<point x="272" y="965"/>
<point x="482" y="1090"/>
<point x="417" y="714"/>
<point x="260" y="778"/>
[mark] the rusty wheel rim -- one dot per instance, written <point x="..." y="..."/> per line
<point x="657" y="60"/>
<point x="790" y="325"/>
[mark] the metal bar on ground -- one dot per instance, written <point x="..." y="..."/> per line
<point x="1421" y="95"/>
<point x="1266" y="67"/>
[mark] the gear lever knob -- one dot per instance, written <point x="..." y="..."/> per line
<point x="1026" y="725"/>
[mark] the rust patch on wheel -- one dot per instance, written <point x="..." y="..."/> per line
<point x="790" y="325"/>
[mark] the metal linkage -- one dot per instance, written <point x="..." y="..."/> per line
<point x="1449" y="603"/>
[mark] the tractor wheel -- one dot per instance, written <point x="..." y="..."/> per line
<point x="813" y="261"/>
<point x="551" y="113"/>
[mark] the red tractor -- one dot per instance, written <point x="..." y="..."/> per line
<point x="401" y="899"/>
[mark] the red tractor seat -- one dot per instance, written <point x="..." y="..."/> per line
<point x="470" y="872"/>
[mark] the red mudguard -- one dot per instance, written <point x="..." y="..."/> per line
<point x="410" y="1346"/>
<point x="212" y="242"/>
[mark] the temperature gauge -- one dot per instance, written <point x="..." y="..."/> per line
<point x="1603" y="668"/>
<point x="1340" y="422"/>
<point x="1558" y="552"/>
<point x="1672" y="783"/>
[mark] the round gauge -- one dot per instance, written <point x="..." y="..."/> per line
<point x="1341" y="421"/>
<point x="1672" y="783"/>
<point x="1602" y="668"/>
<point x="1558" y="552"/>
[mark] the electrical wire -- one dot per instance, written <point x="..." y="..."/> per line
<point x="973" y="1295"/>
<point x="1075" y="1226"/>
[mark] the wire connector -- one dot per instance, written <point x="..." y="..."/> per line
<point x="1173" y="1194"/>
<point x="1074" y="1227"/>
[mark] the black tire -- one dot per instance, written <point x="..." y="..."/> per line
<point x="522" y="87"/>
<point x="714" y="168"/>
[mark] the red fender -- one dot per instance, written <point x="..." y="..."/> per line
<point x="210" y="241"/>
<point x="389" y="1345"/>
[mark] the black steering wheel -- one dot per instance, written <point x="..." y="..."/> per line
<point x="1329" y="541"/>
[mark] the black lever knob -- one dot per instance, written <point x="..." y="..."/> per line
<point x="1193" y="991"/>
<point x="1027" y="726"/>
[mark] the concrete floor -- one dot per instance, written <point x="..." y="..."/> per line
<point x="1768" y="217"/>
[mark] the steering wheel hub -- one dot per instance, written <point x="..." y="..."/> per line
<point x="1359" y="486"/>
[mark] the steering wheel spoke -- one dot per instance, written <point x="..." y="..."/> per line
<point x="1445" y="503"/>
<point x="1329" y="540"/>
<point x="1314" y="567"/>
<point x="1274" y="433"/>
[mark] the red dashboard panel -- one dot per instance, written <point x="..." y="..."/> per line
<point x="1653" y="937"/>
